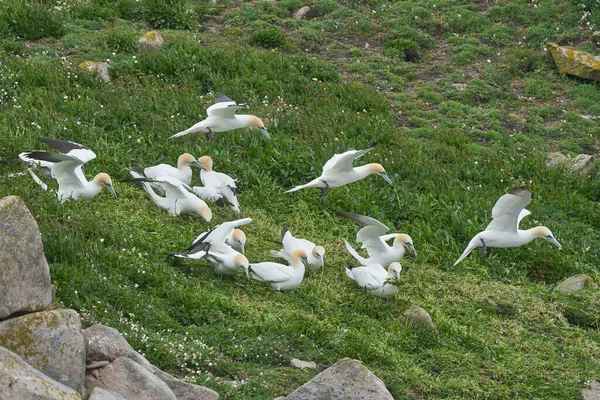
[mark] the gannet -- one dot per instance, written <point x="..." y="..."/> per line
<point x="290" y="243"/>
<point x="221" y="117"/>
<point x="504" y="230"/>
<point x="281" y="277"/>
<point x="373" y="277"/>
<point x="66" y="168"/>
<point x="229" y="263"/>
<point x="375" y="243"/>
<point x="178" y="197"/>
<point x="183" y="172"/>
<point x="222" y="237"/>
<point x="338" y="171"/>
<point x="217" y="185"/>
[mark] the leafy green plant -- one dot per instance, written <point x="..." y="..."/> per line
<point x="169" y="14"/>
<point x="29" y="20"/>
<point x="398" y="47"/>
<point x="266" y="35"/>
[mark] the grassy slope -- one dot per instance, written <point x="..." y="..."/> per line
<point x="503" y="332"/>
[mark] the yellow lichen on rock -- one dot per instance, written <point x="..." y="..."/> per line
<point x="151" y="41"/>
<point x="575" y="62"/>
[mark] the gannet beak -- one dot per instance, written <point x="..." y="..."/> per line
<point x="263" y="130"/>
<point x="243" y="105"/>
<point x="304" y="260"/>
<point x="111" y="189"/>
<point x="246" y="271"/>
<point x="322" y="262"/>
<point x="197" y="164"/>
<point x="397" y="274"/>
<point x="553" y="241"/>
<point x="411" y="247"/>
<point x="387" y="178"/>
<point x="242" y="245"/>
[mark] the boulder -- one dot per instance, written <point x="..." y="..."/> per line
<point x="97" y="66"/>
<point x="303" y="364"/>
<point x="102" y="394"/>
<point x="574" y="62"/>
<point x="584" y="163"/>
<point x="19" y="380"/>
<point x="346" y="379"/>
<point x="591" y="391"/>
<point x="185" y="391"/>
<point x="576" y="283"/>
<point x="103" y="343"/>
<point x="51" y="341"/>
<point x="301" y="13"/>
<point x="130" y="380"/>
<point x="24" y="273"/>
<point x="151" y="42"/>
<point x="556" y="159"/>
<point x="417" y="316"/>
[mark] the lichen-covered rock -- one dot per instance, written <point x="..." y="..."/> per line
<point x="346" y="379"/>
<point x="51" y="341"/>
<point x="24" y="274"/>
<point x="103" y="343"/>
<point x="591" y="391"/>
<point x="95" y="66"/>
<point x="301" y="13"/>
<point x="102" y="394"/>
<point x="130" y="380"/>
<point x="303" y="364"/>
<point x="575" y="62"/>
<point x="19" y="380"/>
<point x="185" y="391"/>
<point x="151" y="41"/>
<point x="556" y="159"/>
<point x="584" y="163"/>
<point x="419" y="317"/>
<point x="576" y="283"/>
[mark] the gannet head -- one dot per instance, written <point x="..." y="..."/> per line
<point x="544" y="233"/>
<point x="205" y="212"/>
<point x="239" y="237"/>
<point x="378" y="169"/>
<point x="298" y="255"/>
<point x="257" y="123"/>
<point x="319" y="253"/>
<point x="206" y="162"/>
<point x="187" y="159"/>
<point x="395" y="268"/>
<point x="242" y="262"/>
<point x="103" y="179"/>
<point x="404" y="240"/>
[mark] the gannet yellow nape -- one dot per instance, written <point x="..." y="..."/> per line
<point x="221" y="117"/>
<point x="183" y="171"/>
<point x="375" y="278"/>
<point x="503" y="231"/>
<point x="315" y="254"/>
<point x="217" y="185"/>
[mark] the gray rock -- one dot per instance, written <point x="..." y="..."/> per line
<point x="103" y="343"/>
<point x="130" y="380"/>
<point x="50" y="341"/>
<point x="459" y="86"/>
<point x="185" y="391"/>
<point x="346" y="379"/>
<point x="591" y="391"/>
<point x="418" y="316"/>
<point x="301" y="13"/>
<point x="102" y="394"/>
<point x="19" y="380"/>
<point x="94" y="66"/>
<point x="303" y="364"/>
<point x="584" y="163"/>
<point x="556" y="159"/>
<point x="576" y="283"/>
<point x="24" y="273"/>
<point x="151" y="41"/>
<point x="95" y="365"/>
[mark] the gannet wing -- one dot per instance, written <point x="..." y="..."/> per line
<point x="343" y="162"/>
<point x="524" y="212"/>
<point x="507" y="209"/>
<point x="71" y="148"/>
<point x="224" y="107"/>
<point x="270" y="272"/>
<point x="371" y="231"/>
<point x="66" y="168"/>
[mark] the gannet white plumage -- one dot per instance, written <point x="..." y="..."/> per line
<point x="339" y="171"/>
<point x="228" y="263"/>
<point x="178" y="197"/>
<point x="221" y="117"/>
<point x="183" y="171"/>
<point x="223" y="237"/>
<point x="372" y="239"/>
<point x="504" y="230"/>
<point x="374" y="277"/>
<point x="66" y="168"/>
<point x="315" y="254"/>
<point x="281" y="277"/>
<point x="217" y="185"/>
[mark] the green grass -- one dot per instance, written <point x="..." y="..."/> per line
<point x="322" y="85"/>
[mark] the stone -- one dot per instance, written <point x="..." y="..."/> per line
<point x="584" y="164"/>
<point x="183" y="390"/>
<point x="591" y="391"/>
<point x="301" y="13"/>
<point x="97" y="66"/>
<point x="130" y="380"/>
<point x="103" y="343"/>
<point x="556" y="159"/>
<point x="418" y="316"/>
<point x="346" y="379"/>
<point x="303" y="364"/>
<point x="575" y="62"/>
<point x="96" y="364"/>
<point x="19" y="380"/>
<point x="24" y="274"/>
<point x="576" y="283"/>
<point x="102" y="394"/>
<point x="151" y="42"/>
<point x="459" y="86"/>
<point x="50" y="341"/>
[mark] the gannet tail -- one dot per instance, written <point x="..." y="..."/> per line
<point x="186" y="132"/>
<point x="315" y="183"/>
<point x="354" y="254"/>
<point x="277" y="254"/>
<point x="37" y="179"/>
<point x="473" y="244"/>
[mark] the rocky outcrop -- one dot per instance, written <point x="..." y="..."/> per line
<point x="151" y="42"/>
<point x="102" y="394"/>
<point x="302" y="12"/>
<point x="583" y="163"/>
<point x="24" y="273"/>
<point x="574" y="62"/>
<point x="303" y="364"/>
<point x="417" y="316"/>
<point x="185" y="391"/>
<point x="95" y="66"/>
<point x="346" y="379"/>
<point x="591" y="391"/>
<point x="103" y="343"/>
<point x="19" y="380"/>
<point x="576" y="283"/>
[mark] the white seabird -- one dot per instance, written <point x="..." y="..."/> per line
<point x="504" y="230"/>
<point x="373" y="240"/>
<point x="228" y="263"/>
<point x="339" y="171"/>
<point x="66" y="168"/>
<point x="281" y="277"/>
<point x="217" y="185"/>
<point x="221" y="117"/>
<point x="223" y="237"/>
<point x="178" y="197"/>
<point x="315" y="254"/>
<point x="183" y="171"/>
<point x="373" y="277"/>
